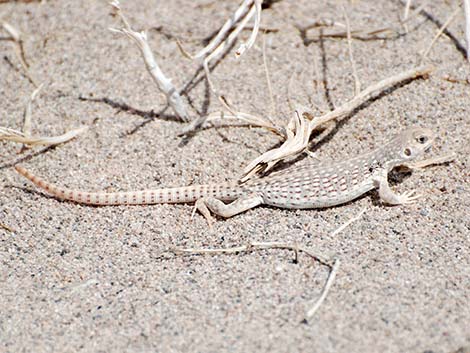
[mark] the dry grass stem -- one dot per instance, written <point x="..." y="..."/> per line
<point x="17" y="38"/>
<point x="257" y="246"/>
<point x="254" y="246"/>
<point x="25" y="137"/>
<point x="406" y="14"/>
<point x="325" y="290"/>
<point x="345" y="225"/>
<point x="164" y="84"/>
<point x="225" y="39"/>
<point x="321" y="23"/>
<point x="379" y="33"/>
<point x="221" y="35"/>
<point x="245" y="46"/>
<point x="357" y="83"/>
<point x="19" y="137"/>
<point x="441" y="30"/>
<point x="333" y="264"/>
<point x="222" y="118"/>
<point x="273" y="110"/>
<point x="304" y="122"/>
<point x="369" y="92"/>
<point x="225" y="45"/>
<point x="28" y="112"/>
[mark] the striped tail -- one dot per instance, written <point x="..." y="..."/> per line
<point x="225" y="192"/>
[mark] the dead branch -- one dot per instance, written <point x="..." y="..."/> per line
<point x="164" y="84"/>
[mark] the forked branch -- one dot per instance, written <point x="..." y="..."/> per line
<point x="164" y="84"/>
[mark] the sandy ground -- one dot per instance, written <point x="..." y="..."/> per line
<point x="78" y="278"/>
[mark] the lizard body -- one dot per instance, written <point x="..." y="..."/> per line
<point x="316" y="185"/>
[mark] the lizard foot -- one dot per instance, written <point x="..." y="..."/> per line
<point x="408" y="197"/>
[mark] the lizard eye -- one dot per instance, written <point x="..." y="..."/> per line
<point x="407" y="152"/>
<point x="422" y="139"/>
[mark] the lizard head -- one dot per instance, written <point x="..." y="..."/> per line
<point x="409" y="145"/>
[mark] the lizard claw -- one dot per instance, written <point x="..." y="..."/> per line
<point x="409" y="197"/>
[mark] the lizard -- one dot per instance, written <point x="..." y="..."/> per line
<point x="315" y="185"/>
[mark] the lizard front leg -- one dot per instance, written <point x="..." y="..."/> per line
<point x="388" y="196"/>
<point x="207" y="204"/>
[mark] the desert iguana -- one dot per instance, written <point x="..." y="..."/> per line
<point x="322" y="184"/>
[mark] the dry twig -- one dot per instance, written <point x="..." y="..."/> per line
<point x="17" y="38"/>
<point x="245" y="46"/>
<point x="19" y="137"/>
<point x="438" y="34"/>
<point x="25" y="137"/>
<point x="357" y="83"/>
<point x="164" y="84"/>
<point x="304" y="122"/>
<point x="273" y="110"/>
<point x="28" y="112"/>
<point x="333" y="264"/>
<point x="406" y="14"/>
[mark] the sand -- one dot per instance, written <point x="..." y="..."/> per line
<point x="79" y="278"/>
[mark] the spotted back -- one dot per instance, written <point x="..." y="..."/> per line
<point x="332" y="183"/>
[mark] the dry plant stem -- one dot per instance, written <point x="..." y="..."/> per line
<point x="362" y="34"/>
<point x="369" y="92"/>
<point x="323" y="22"/>
<point x="297" y="140"/>
<point x="333" y="264"/>
<point x="27" y="116"/>
<point x="357" y="83"/>
<point x="256" y="246"/>
<point x="273" y="111"/>
<point x="19" y="137"/>
<point x="325" y="290"/>
<point x="164" y="84"/>
<point x="245" y="46"/>
<point x="224" y="45"/>
<point x="352" y="220"/>
<point x="16" y="37"/>
<point x="228" y="25"/>
<point x="441" y="30"/>
<point x="406" y="14"/>
<point x="369" y="33"/>
<point x="219" y="117"/>
<point x="466" y="5"/>
<point x="28" y="112"/>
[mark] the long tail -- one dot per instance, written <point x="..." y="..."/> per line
<point x="143" y="197"/>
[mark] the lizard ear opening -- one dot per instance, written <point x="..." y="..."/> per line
<point x="422" y="139"/>
<point x="407" y="152"/>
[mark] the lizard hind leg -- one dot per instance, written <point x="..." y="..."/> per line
<point x="207" y="204"/>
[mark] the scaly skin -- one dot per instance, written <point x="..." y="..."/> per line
<point x="312" y="186"/>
